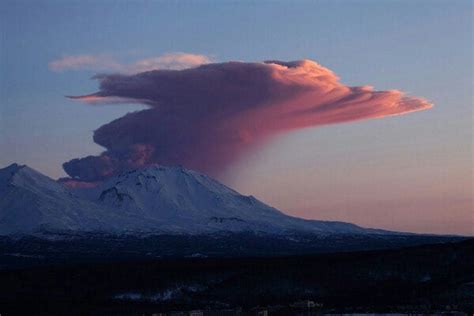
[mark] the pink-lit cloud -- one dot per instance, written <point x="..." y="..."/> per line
<point x="85" y="62"/>
<point x="107" y="63"/>
<point x="205" y="118"/>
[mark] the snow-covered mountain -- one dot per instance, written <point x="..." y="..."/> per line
<point x="155" y="199"/>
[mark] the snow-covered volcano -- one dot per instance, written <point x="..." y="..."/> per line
<point x="155" y="199"/>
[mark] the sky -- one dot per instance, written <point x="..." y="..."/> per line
<point x="409" y="172"/>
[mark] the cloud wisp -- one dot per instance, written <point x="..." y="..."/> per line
<point x="206" y="117"/>
<point x="106" y="63"/>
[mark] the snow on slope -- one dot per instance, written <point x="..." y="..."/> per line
<point x="187" y="201"/>
<point x="155" y="199"/>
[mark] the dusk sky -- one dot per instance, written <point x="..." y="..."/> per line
<point x="410" y="172"/>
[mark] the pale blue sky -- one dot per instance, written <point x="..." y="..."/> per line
<point x="354" y="172"/>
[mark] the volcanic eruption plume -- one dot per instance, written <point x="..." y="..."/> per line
<point x="206" y="117"/>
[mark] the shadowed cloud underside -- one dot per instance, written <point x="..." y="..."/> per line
<point x="206" y="117"/>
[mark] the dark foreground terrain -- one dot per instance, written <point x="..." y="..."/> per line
<point x="428" y="278"/>
<point x="61" y="249"/>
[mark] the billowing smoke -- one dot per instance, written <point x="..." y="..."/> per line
<point x="206" y="117"/>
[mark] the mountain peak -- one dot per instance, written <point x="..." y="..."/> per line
<point x="167" y="176"/>
<point x="24" y="176"/>
<point x="12" y="169"/>
<point x="15" y="168"/>
<point x="175" y="193"/>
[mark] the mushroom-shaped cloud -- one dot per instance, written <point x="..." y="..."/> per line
<point x="206" y="117"/>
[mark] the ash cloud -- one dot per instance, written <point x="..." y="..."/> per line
<point x="206" y="117"/>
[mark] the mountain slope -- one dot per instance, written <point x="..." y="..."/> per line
<point x="187" y="201"/>
<point x="158" y="199"/>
